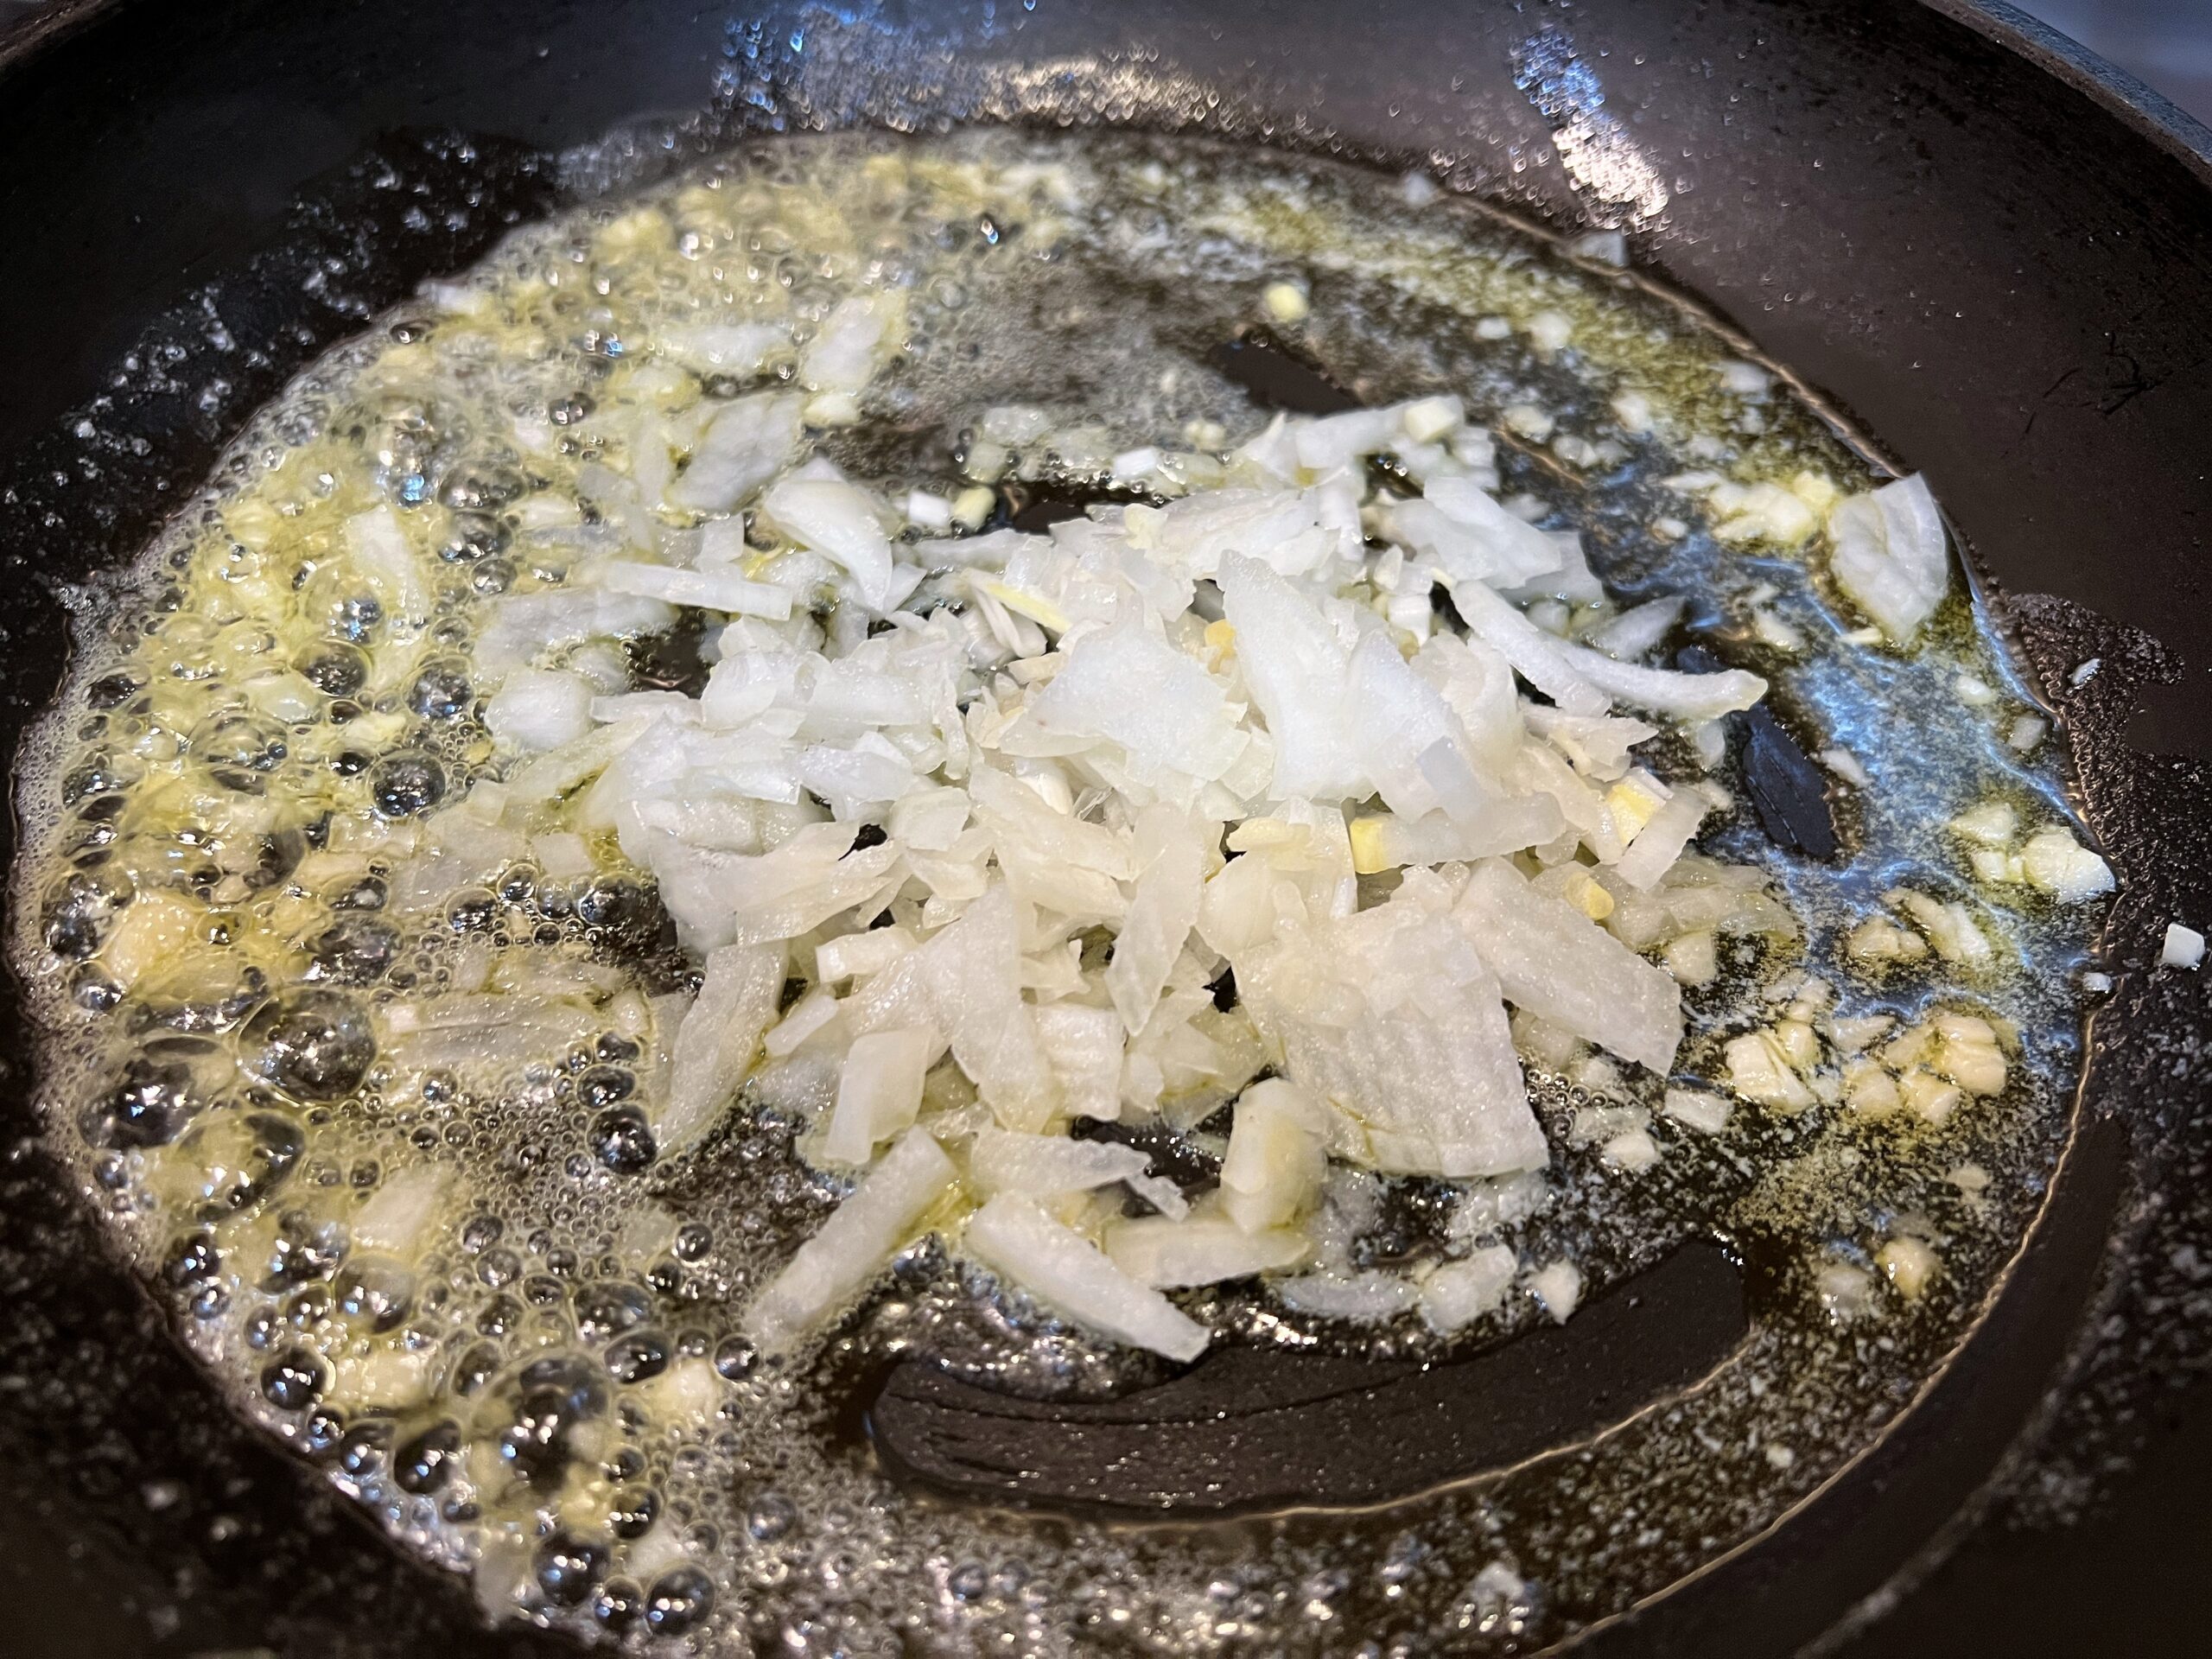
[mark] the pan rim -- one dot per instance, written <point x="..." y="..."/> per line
<point x="2143" y="109"/>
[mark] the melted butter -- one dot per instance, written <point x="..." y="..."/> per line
<point x="419" y="1257"/>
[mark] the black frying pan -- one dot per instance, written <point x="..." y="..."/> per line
<point x="1985" y="249"/>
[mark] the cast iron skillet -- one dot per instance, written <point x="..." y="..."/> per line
<point x="1985" y="248"/>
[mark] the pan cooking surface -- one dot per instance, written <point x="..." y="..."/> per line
<point x="1510" y="1559"/>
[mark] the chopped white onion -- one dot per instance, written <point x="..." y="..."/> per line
<point x="719" y="1040"/>
<point x="1276" y="1156"/>
<point x="879" y="1092"/>
<point x="1890" y="555"/>
<point x="862" y="1234"/>
<point x="1459" y="1292"/>
<point x="1368" y="1298"/>
<point x="839" y="521"/>
<point x="731" y="348"/>
<point x="1557" y="1287"/>
<point x="536" y="710"/>
<point x="393" y="1221"/>
<point x="745" y="445"/>
<point x="1554" y="961"/>
<point x="1172" y="1255"/>
<point x="1013" y="1237"/>
<point x="933" y="771"/>
<point x="712" y="589"/>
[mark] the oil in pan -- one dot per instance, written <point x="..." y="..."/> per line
<point x="362" y="1100"/>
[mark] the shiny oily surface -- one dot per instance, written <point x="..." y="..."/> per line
<point x="482" y="1303"/>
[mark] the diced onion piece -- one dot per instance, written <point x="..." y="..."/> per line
<point x="1890" y="555"/>
<point x="2057" y="864"/>
<point x="561" y="855"/>
<point x="1909" y="1265"/>
<point x="2182" y="947"/>
<point x="1637" y="630"/>
<point x="1161" y="1193"/>
<point x="858" y="955"/>
<point x="929" y="819"/>
<point x="718" y="1041"/>
<point x="379" y="549"/>
<point x="1280" y="527"/>
<point x="832" y="1267"/>
<point x="1013" y="1237"/>
<point x="393" y="1221"/>
<point x="1517" y="553"/>
<point x="1383" y="842"/>
<point x="536" y="710"/>
<point x="1334" y="440"/>
<point x="837" y="520"/>
<point x="1538" y="658"/>
<point x="810" y="1015"/>
<point x="482" y="1035"/>
<point x="1760" y="1070"/>
<point x="1135" y="689"/>
<point x="1368" y="1298"/>
<point x="745" y="445"/>
<point x="1296" y="669"/>
<point x="1272" y="1173"/>
<point x="687" y="1397"/>
<point x="1634" y="1151"/>
<point x="927" y="511"/>
<point x="1173" y="1254"/>
<point x="856" y="336"/>
<point x="1415" y="749"/>
<point x="395" y="1379"/>
<point x="1968" y="1052"/>
<point x="1554" y="961"/>
<point x="1761" y="512"/>
<point x="1389" y="1017"/>
<point x="1459" y="1292"/>
<point x="731" y="348"/>
<point x="967" y="982"/>
<point x="1992" y="823"/>
<point x="1667" y="692"/>
<point x="1083" y="1047"/>
<point x="517" y="627"/>
<point x="879" y="1092"/>
<point x="1557" y="1287"/>
<point x="712" y="590"/>
<point x="1162" y="911"/>
<point x="1048" y="1165"/>
<point x="650" y="464"/>
<point x="1287" y="302"/>
<point x="1659" y="843"/>
<point x="1428" y="419"/>
<point x="738" y="898"/>
<point x="1949" y="927"/>
<point x="1694" y="1110"/>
